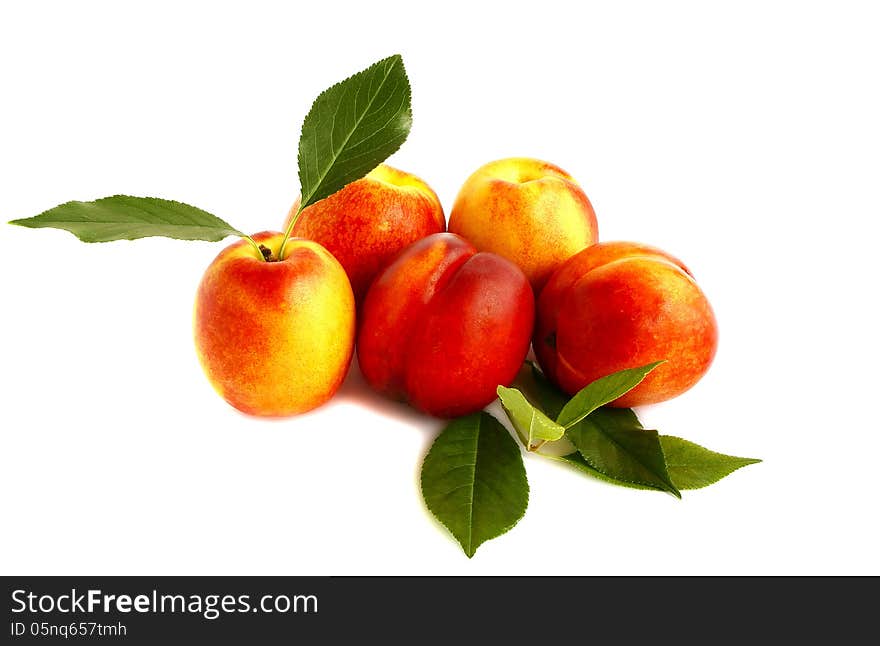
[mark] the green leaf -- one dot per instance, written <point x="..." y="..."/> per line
<point x="553" y="400"/>
<point x="616" y="418"/>
<point x="688" y="465"/>
<point x="612" y="418"/>
<point x="353" y="127"/>
<point x="474" y="481"/>
<point x="576" y="460"/>
<point x="692" y="467"/>
<point x="123" y="217"/>
<point x="550" y="397"/>
<point x="556" y="449"/>
<point x="601" y="392"/>
<point x="625" y="453"/>
<point x="531" y="424"/>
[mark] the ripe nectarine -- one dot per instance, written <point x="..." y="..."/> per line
<point x="618" y="305"/>
<point x="443" y="325"/>
<point x="369" y="221"/>
<point x="275" y="338"/>
<point x="529" y="211"/>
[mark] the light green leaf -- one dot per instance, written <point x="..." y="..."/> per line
<point x="352" y="127"/>
<point x="692" y="467"/>
<point x="557" y="449"/>
<point x="474" y="481"/>
<point x="601" y="392"/>
<point x="123" y="217"/>
<point x="552" y="399"/>
<point x="621" y="452"/>
<point x="531" y="424"/>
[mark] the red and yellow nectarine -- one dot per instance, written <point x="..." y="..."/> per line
<point x="369" y="221"/>
<point x="529" y="211"/>
<point x="618" y="305"/>
<point x="275" y="338"/>
<point x="443" y="325"/>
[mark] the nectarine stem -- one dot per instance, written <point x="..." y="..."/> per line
<point x="256" y="246"/>
<point x="288" y="231"/>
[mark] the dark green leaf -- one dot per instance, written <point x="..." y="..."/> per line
<point x="122" y="217"/>
<point x="552" y="399"/>
<point x="576" y="460"/>
<point x="474" y="481"/>
<point x="615" y="418"/>
<point x="692" y="467"/>
<point x="688" y="465"/>
<point x="601" y="392"/>
<point x="628" y="454"/>
<point x="353" y="127"/>
<point x="531" y="424"/>
<point x="612" y="418"/>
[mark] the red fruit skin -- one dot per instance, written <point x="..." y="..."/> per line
<point x="618" y="305"/>
<point x="443" y="326"/>
<point x="367" y="223"/>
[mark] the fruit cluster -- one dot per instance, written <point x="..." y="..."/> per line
<point x="441" y="319"/>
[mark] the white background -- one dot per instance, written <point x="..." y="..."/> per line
<point x="742" y="137"/>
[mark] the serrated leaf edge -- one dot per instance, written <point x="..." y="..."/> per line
<point x="34" y="222"/>
<point x="474" y="548"/>
<point x="647" y="368"/>
<point x="746" y="462"/>
<point x="602" y="477"/>
<point x="392" y="61"/>
<point x="674" y="490"/>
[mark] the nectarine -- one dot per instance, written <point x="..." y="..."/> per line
<point x="529" y="211"/>
<point x="443" y="325"/>
<point x="369" y="221"/>
<point x="618" y="305"/>
<point x="275" y="338"/>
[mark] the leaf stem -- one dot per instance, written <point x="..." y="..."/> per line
<point x="256" y="246"/>
<point x="289" y="230"/>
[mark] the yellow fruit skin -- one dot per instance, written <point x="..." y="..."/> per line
<point x="528" y="211"/>
<point x="275" y="338"/>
